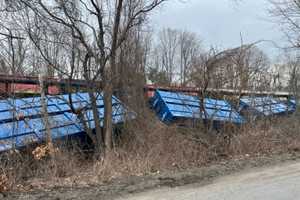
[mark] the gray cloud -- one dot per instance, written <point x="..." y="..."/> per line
<point x="220" y="22"/>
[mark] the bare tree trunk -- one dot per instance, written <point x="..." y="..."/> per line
<point x="108" y="92"/>
<point x="109" y="81"/>
<point x="45" y="112"/>
<point x="99" y="133"/>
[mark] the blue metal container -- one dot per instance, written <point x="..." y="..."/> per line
<point x="21" y="122"/>
<point x="264" y="106"/>
<point x="292" y="104"/>
<point x="171" y="106"/>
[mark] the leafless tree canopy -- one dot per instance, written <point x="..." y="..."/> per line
<point x="288" y="14"/>
<point x="173" y="56"/>
<point x="76" y="39"/>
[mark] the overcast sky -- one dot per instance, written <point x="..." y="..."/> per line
<point x="220" y="22"/>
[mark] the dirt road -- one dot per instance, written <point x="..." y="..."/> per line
<point x="275" y="183"/>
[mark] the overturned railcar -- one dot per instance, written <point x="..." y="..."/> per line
<point x="266" y="106"/>
<point x="22" y="124"/>
<point x="292" y="104"/>
<point x="174" y="106"/>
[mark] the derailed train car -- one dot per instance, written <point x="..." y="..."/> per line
<point x="174" y="106"/>
<point x="265" y="106"/>
<point x="22" y="124"/>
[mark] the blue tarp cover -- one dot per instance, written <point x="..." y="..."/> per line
<point x="264" y="106"/>
<point x="293" y="104"/>
<point x="21" y="122"/>
<point x="170" y="106"/>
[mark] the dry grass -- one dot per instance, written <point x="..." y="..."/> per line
<point x="270" y="137"/>
<point x="146" y="152"/>
<point x="150" y="147"/>
<point x="19" y="169"/>
<point x="147" y="147"/>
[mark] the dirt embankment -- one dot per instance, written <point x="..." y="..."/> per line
<point x="134" y="184"/>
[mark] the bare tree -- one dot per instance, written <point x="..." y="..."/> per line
<point x="12" y="54"/>
<point x="45" y="110"/>
<point x="203" y="68"/>
<point x="242" y="68"/>
<point x="173" y="56"/>
<point x="133" y="59"/>
<point x="190" y="47"/>
<point x="167" y="48"/>
<point x="90" y="33"/>
<point x="288" y="13"/>
<point x="292" y="65"/>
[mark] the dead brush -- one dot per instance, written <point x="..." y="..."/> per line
<point x="62" y="162"/>
<point x="15" y="168"/>
<point x="4" y="183"/>
<point x="23" y="170"/>
<point x="271" y="136"/>
<point x="148" y="147"/>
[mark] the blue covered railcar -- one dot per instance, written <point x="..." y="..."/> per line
<point x="21" y="122"/>
<point x="292" y="104"/>
<point x="172" y="106"/>
<point x="263" y="107"/>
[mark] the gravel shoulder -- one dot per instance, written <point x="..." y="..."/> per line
<point x="129" y="185"/>
<point x="279" y="182"/>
